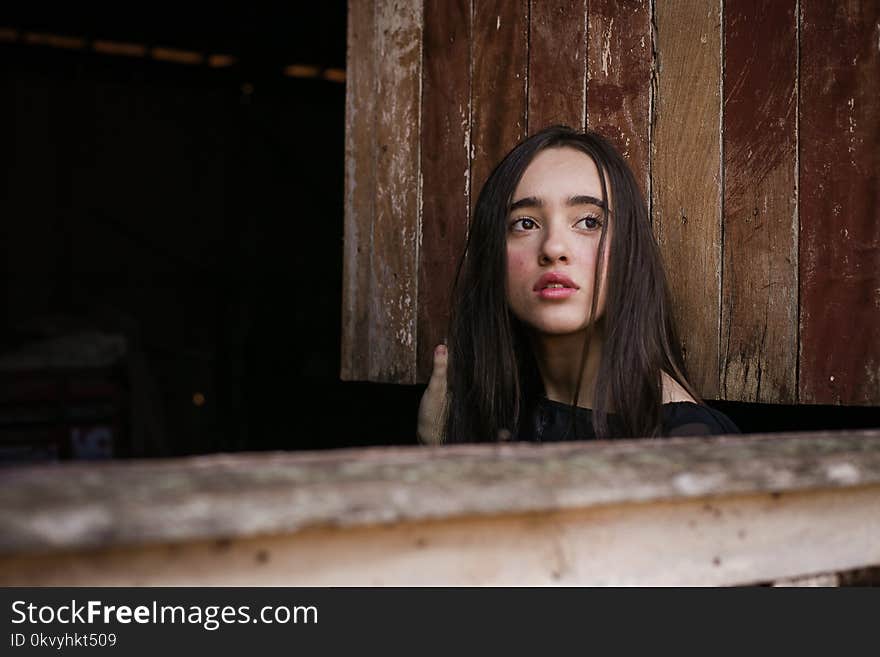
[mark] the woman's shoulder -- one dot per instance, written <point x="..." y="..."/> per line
<point x="683" y="416"/>
<point x="673" y="391"/>
<point x="688" y="418"/>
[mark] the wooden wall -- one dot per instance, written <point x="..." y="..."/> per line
<point x="753" y="126"/>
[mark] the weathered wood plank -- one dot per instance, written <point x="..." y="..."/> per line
<point x="81" y="505"/>
<point x="686" y="176"/>
<point x="557" y="63"/>
<point x="619" y="78"/>
<point x="499" y="64"/>
<point x="839" y="109"/>
<point x="725" y="541"/>
<point x="715" y="511"/>
<point x="759" y="282"/>
<point x="360" y="189"/>
<point x="445" y="162"/>
<point x="393" y="271"/>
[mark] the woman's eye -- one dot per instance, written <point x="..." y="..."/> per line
<point x="590" y="222"/>
<point x="524" y="223"/>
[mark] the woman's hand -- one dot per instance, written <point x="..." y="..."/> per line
<point x="432" y="408"/>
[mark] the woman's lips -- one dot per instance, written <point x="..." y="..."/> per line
<point x="554" y="285"/>
<point x="556" y="292"/>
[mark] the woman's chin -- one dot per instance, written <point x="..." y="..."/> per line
<point x="558" y="328"/>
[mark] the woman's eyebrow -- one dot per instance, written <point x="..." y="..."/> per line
<point x="527" y="202"/>
<point x="586" y="200"/>
<point x="535" y="202"/>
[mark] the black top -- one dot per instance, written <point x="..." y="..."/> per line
<point x="551" y="420"/>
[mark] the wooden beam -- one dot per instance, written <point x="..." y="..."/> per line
<point x="678" y="511"/>
<point x="733" y="540"/>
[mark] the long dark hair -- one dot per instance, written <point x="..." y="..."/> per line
<point x="493" y="377"/>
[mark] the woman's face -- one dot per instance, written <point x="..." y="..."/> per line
<point x="553" y="231"/>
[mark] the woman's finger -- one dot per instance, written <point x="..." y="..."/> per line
<point x="438" y="373"/>
<point x="432" y="408"/>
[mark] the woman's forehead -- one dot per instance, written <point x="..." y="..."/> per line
<point x="558" y="174"/>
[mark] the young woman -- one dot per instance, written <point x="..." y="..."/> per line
<point x="561" y="325"/>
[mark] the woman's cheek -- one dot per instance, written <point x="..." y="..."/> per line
<point x="515" y="264"/>
<point x="516" y="275"/>
<point x="516" y="269"/>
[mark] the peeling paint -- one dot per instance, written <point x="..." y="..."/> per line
<point x="872" y="375"/>
<point x="404" y="337"/>
<point x="606" y="48"/>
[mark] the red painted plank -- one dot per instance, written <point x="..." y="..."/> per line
<point x="619" y="78"/>
<point x="445" y="166"/>
<point x="557" y="63"/>
<point x="499" y="64"/>
<point x="839" y="139"/>
<point x="759" y="280"/>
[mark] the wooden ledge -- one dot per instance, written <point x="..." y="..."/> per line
<point x="82" y="506"/>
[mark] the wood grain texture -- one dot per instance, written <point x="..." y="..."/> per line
<point x="445" y="165"/>
<point x="360" y="189"/>
<point x="759" y="282"/>
<point x="840" y="203"/>
<point x="725" y="540"/>
<point x="720" y="510"/>
<point x="500" y="68"/>
<point x="393" y="270"/>
<point x="87" y="505"/>
<point x="619" y="78"/>
<point x="686" y="177"/>
<point x="557" y="63"/>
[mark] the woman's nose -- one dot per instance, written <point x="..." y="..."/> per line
<point x="554" y="248"/>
